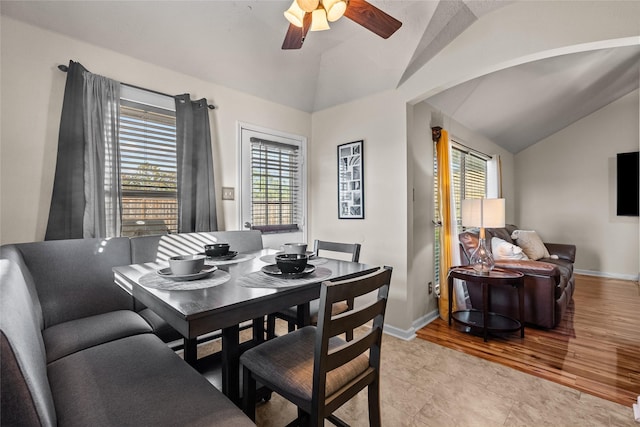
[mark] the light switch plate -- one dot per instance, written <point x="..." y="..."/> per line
<point x="228" y="193"/>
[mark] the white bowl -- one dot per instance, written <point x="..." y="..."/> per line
<point x="186" y="264"/>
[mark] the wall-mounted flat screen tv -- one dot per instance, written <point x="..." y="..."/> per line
<point x="628" y="188"/>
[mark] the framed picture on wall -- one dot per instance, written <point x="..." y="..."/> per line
<point x="351" y="181"/>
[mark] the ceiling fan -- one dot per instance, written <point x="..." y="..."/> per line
<point x="313" y="15"/>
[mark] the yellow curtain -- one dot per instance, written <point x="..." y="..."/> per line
<point x="446" y="242"/>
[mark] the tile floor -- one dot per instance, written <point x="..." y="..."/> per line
<point x="424" y="384"/>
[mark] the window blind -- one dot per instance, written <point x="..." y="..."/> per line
<point x="437" y="219"/>
<point x="275" y="186"/>
<point x="148" y="169"/>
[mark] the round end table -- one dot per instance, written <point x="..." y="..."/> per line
<point x="488" y="321"/>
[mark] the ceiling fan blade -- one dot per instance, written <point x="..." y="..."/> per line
<point x="295" y="35"/>
<point x="372" y="18"/>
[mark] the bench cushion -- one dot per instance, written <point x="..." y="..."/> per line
<point x="74" y="278"/>
<point x="23" y="372"/>
<point x="136" y="381"/>
<point x="12" y="252"/>
<point x="161" y="248"/>
<point x="66" y="338"/>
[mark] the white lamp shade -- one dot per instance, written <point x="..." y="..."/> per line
<point x="335" y="9"/>
<point x="308" y="5"/>
<point x="471" y="212"/>
<point x="294" y="14"/>
<point x="484" y="213"/>
<point x="319" y="20"/>
<point x="493" y="213"/>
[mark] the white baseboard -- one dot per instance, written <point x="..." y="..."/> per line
<point x="608" y="275"/>
<point x="409" y="334"/>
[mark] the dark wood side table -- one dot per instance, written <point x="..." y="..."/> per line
<point x="489" y="321"/>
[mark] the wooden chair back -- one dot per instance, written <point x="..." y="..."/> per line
<point x="325" y="360"/>
<point x="348" y="248"/>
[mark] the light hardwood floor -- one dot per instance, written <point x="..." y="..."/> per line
<point x="594" y="349"/>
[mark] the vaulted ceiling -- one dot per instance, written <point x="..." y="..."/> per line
<point x="238" y="44"/>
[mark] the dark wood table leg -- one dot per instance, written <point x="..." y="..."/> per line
<point x="303" y="315"/>
<point x="231" y="363"/>
<point x="258" y="330"/>
<point x="485" y="310"/>
<point x="190" y="350"/>
<point x="521" y="306"/>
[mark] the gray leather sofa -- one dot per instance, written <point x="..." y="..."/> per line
<point x="77" y="350"/>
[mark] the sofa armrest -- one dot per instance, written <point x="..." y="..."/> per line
<point x="563" y="251"/>
<point x="529" y="267"/>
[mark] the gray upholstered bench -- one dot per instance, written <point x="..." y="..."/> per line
<point x="74" y="351"/>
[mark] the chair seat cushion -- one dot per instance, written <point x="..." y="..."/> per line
<point x="136" y="381"/>
<point x="314" y="308"/>
<point x="69" y="337"/>
<point x="287" y="363"/>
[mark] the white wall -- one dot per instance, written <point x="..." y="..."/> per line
<point x="567" y="189"/>
<point x="32" y="90"/>
<point x="380" y="121"/>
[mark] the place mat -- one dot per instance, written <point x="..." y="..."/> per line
<point x="236" y="259"/>
<point x="153" y="280"/>
<point x="271" y="259"/>
<point x="258" y="279"/>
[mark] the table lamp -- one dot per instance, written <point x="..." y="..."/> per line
<point x="482" y="213"/>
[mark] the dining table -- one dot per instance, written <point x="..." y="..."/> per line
<point x="243" y="288"/>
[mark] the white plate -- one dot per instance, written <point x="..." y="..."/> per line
<point x="166" y="272"/>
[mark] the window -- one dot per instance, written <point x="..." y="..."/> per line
<point x="148" y="163"/>
<point x="469" y="176"/>
<point x="469" y="170"/>
<point x="275" y="186"/>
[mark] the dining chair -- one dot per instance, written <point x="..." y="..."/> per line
<point x="313" y="367"/>
<point x="290" y="315"/>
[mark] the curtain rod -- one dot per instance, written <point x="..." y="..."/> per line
<point x="64" y="68"/>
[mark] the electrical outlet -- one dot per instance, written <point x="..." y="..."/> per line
<point x="228" y="193"/>
<point x="430" y="284"/>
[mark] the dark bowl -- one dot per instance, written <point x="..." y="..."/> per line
<point x="216" y="249"/>
<point x="291" y="263"/>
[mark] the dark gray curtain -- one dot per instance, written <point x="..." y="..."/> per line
<point x="196" y="191"/>
<point x="67" y="201"/>
<point x="102" y="211"/>
<point x="86" y="199"/>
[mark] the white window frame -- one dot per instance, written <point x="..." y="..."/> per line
<point x="244" y="196"/>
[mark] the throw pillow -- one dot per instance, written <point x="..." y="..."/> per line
<point x="531" y="244"/>
<point x="503" y="250"/>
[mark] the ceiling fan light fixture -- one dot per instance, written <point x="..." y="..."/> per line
<point x="294" y="14"/>
<point x="308" y="5"/>
<point x="335" y="9"/>
<point x="319" y="20"/>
